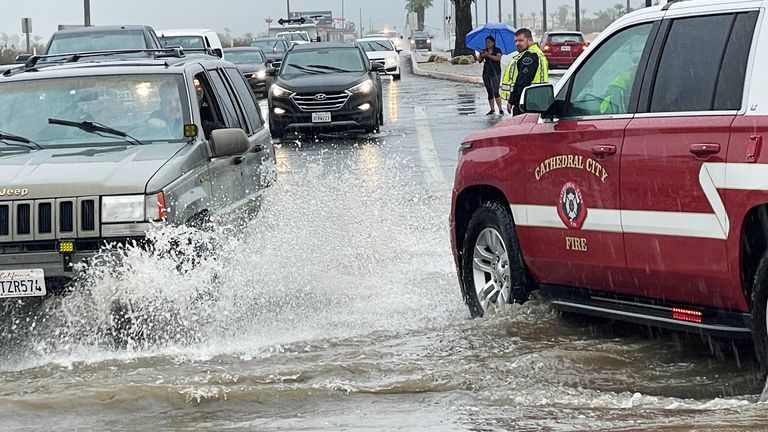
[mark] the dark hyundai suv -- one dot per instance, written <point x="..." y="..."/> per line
<point x="325" y="86"/>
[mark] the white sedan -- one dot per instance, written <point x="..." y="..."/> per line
<point x="381" y="50"/>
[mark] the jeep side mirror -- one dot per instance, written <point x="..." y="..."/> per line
<point x="399" y="50"/>
<point x="377" y="67"/>
<point x="228" y="142"/>
<point x="272" y="70"/>
<point x="219" y="52"/>
<point x="22" y="58"/>
<point x="537" y="98"/>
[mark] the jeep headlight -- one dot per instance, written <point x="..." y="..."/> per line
<point x="257" y="75"/>
<point x="391" y="62"/>
<point x="364" y="87"/>
<point x="280" y="92"/>
<point x="133" y="208"/>
<point x="126" y="208"/>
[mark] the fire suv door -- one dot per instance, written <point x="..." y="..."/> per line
<point x="570" y="231"/>
<point x="673" y="169"/>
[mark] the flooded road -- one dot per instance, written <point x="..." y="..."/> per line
<point x="338" y="309"/>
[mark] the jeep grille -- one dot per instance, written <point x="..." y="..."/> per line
<point x="49" y="219"/>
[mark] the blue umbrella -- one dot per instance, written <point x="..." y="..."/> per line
<point x="504" y="35"/>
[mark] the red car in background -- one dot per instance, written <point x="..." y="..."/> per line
<point x="562" y="48"/>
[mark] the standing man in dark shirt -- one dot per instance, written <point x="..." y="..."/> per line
<point x="491" y="56"/>
<point x="529" y="66"/>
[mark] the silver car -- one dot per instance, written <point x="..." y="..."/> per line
<point x="97" y="151"/>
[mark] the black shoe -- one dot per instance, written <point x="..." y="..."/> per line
<point x="491" y="112"/>
<point x="501" y="112"/>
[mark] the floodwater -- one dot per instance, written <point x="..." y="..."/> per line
<point x="338" y="308"/>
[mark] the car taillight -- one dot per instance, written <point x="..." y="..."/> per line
<point x="689" y="315"/>
<point x="584" y="46"/>
<point x="547" y="47"/>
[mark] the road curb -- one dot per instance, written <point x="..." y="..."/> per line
<point x="443" y="75"/>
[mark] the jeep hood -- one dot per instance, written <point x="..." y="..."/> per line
<point x="83" y="171"/>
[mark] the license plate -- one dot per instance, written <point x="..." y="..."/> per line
<point x="321" y="117"/>
<point x="22" y="283"/>
<point x="565" y="48"/>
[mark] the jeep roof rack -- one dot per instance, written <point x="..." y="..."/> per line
<point x="32" y="62"/>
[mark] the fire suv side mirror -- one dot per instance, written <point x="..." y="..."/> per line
<point x="537" y="98"/>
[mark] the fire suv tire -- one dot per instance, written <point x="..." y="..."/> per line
<point x="491" y="244"/>
<point x="759" y="305"/>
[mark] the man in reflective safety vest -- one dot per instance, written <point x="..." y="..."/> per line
<point x="529" y="66"/>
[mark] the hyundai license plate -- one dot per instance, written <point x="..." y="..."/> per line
<point x="565" y="48"/>
<point x="321" y="117"/>
<point x="22" y="283"/>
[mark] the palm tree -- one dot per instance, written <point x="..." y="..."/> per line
<point x="418" y="6"/>
<point x="463" y="26"/>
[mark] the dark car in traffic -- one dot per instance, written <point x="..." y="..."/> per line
<point x="562" y="48"/>
<point x="324" y="87"/>
<point x="274" y="48"/>
<point x="251" y="62"/>
<point x="103" y="38"/>
<point x="421" y="40"/>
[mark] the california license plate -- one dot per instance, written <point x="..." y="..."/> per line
<point x="321" y="117"/>
<point x="22" y="283"/>
<point x="565" y="48"/>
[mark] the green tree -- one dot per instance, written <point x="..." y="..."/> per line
<point x="420" y="7"/>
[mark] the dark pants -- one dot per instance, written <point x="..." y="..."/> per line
<point x="491" y="82"/>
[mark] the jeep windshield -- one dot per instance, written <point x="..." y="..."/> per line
<point x="295" y="36"/>
<point x="324" y="60"/>
<point x="272" y="46"/>
<point x="151" y="108"/>
<point x="98" y="40"/>
<point x="245" y="57"/>
<point x="186" y="42"/>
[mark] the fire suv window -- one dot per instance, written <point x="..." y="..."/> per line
<point x="730" y="85"/>
<point x="604" y="83"/>
<point x="687" y="76"/>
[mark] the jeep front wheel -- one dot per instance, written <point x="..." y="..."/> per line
<point x="493" y="271"/>
<point x="759" y="317"/>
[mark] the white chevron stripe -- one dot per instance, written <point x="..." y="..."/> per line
<point x="712" y="176"/>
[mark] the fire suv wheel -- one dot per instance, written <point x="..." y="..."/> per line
<point x="759" y="316"/>
<point x="493" y="271"/>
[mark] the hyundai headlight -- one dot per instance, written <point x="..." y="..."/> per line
<point x="260" y="74"/>
<point x="364" y="87"/>
<point x="280" y="92"/>
<point x="127" y="208"/>
<point x="391" y="61"/>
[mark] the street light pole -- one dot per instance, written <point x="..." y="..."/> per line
<point x="514" y="13"/>
<point x="486" y="11"/>
<point x="288" y="6"/>
<point x="87" y="11"/>
<point x="499" y="10"/>
<point x="577" y="4"/>
<point x="544" y="16"/>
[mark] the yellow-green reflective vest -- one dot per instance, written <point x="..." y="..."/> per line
<point x="510" y="74"/>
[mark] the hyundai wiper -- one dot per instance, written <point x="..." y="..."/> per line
<point x="20" y="141"/>
<point x="302" y="68"/>
<point x="95" y="128"/>
<point x="332" y="68"/>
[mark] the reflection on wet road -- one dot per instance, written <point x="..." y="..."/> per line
<point x="338" y="309"/>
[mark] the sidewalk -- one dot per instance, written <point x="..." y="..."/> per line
<point x="472" y="73"/>
<point x="461" y="73"/>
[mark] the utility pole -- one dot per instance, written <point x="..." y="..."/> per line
<point x="544" y="16"/>
<point x="361" y="23"/>
<point x="87" y="10"/>
<point x="486" y="11"/>
<point x="648" y="3"/>
<point x="342" y="13"/>
<point x="577" y="4"/>
<point x="514" y="14"/>
<point x="288" y="7"/>
<point x="499" y="10"/>
<point x="629" y="5"/>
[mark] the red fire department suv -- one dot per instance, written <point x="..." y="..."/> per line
<point x="637" y="189"/>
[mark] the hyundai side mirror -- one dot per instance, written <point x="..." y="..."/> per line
<point x="22" y="58"/>
<point x="273" y="70"/>
<point x="399" y="50"/>
<point x="377" y="67"/>
<point x="537" y="98"/>
<point x="228" y="142"/>
<point x="219" y="52"/>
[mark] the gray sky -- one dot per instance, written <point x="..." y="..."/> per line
<point x="239" y="15"/>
